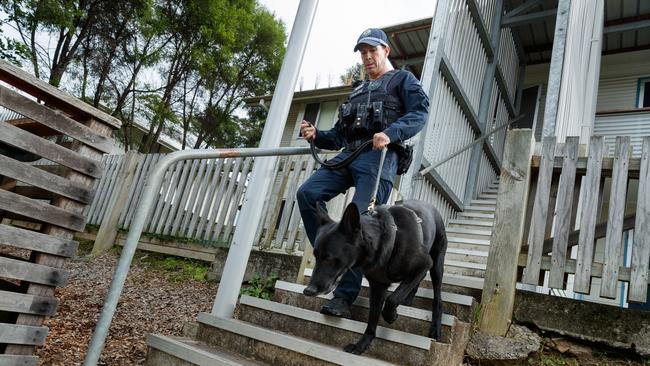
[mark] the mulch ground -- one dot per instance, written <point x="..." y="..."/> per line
<point x="153" y="301"/>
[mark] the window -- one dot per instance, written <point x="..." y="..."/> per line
<point x="311" y="114"/>
<point x="644" y="93"/>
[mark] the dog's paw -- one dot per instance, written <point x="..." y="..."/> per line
<point x="355" y="348"/>
<point x="389" y="313"/>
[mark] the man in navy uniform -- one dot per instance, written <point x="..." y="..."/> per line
<point x="389" y="108"/>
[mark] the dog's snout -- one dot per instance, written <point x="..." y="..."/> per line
<point x="310" y="290"/>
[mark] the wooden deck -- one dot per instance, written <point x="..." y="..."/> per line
<point x="73" y="136"/>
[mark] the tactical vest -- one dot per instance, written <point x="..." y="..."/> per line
<point x="371" y="107"/>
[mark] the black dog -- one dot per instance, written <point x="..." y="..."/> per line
<point x="394" y="244"/>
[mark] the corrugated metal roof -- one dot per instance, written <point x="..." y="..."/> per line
<point x="408" y="41"/>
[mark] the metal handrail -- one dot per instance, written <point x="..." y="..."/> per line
<point x="461" y="150"/>
<point x="150" y="190"/>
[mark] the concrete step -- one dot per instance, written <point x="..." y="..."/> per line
<point x="489" y="217"/>
<point x="488" y="196"/>
<point x="411" y="320"/>
<point x="459" y="232"/>
<point x="163" y="350"/>
<point x="480" y="209"/>
<point x="273" y="347"/>
<point x="465" y="268"/>
<point x="466" y="222"/>
<point x="481" y="203"/>
<point x="389" y="345"/>
<point x="454" y="305"/>
<point x="470" y="224"/>
<point x="466" y="255"/>
<point x="453" y="292"/>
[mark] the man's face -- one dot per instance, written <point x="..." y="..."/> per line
<point x="374" y="59"/>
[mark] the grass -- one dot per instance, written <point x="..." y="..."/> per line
<point x="177" y="269"/>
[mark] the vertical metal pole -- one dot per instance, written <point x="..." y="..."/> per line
<point x="242" y="242"/>
<point x="484" y="106"/>
<point x="555" y="73"/>
<point x="593" y="73"/>
<point x="435" y="48"/>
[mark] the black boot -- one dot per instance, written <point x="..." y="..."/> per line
<point x="336" y="307"/>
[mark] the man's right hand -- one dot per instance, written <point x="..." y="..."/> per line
<point x="307" y="130"/>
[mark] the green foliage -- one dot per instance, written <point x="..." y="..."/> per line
<point x="12" y="50"/>
<point x="172" y="65"/>
<point x="178" y="269"/>
<point x="261" y="288"/>
<point x="352" y="74"/>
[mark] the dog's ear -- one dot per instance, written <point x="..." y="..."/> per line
<point x="322" y="217"/>
<point x="351" y="221"/>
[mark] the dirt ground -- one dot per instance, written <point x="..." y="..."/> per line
<point x="157" y="298"/>
<point x="162" y="293"/>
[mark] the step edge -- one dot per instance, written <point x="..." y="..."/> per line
<point x="289" y="342"/>
<point x="392" y="335"/>
<point x="422" y="292"/>
<point x="198" y="356"/>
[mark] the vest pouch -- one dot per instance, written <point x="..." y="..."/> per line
<point x="361" y="119"/>
<point x="346" y="114"/>
<point x="378" y="120"/>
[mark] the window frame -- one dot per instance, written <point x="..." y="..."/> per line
<point x="642" y="83"/>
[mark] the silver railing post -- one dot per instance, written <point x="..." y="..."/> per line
<point x="251" y="212"/>
<point x="150" y="192"/>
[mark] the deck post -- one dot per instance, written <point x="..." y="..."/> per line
<point x="108" y="228"/>
<point x="505" y="243"/>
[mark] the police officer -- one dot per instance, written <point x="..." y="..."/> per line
<point x="389" y="108"/>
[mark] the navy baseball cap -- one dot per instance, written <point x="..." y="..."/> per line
<point x="373" y="37"/>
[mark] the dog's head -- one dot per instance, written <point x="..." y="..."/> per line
<point x="337" y="249"/>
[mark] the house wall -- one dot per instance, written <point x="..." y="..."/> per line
<point x="617" y="89"/>
<point x="327" y="115"/>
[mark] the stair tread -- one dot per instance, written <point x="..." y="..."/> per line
<point x="463" y="281"/>
<point x="485" y="201"/>
<point x="471" y="222"/>
<point x="481" y="208"/>
<point x="476" y="214"/>
<point x="459" y="240"/>
<point x="428" y="293"/>
<point x="422" y="292"/>
<point x="197" y="352"/>
<point x="397" y="336"/>
<point x="465" y="264"/>
<point x="460" y="230"/>
<point x="476" y="253"/>
<point x="286" y="341"/>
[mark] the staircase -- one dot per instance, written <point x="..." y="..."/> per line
<point x="289" y="330"/>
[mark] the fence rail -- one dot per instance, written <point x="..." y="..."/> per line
<point x="576" y="222"/>
<point x="200" y="199"/>
<point x="595" y="200"/>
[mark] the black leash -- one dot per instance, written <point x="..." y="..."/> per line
<point x="341" y="163"/>
<point x="348" y="160"/>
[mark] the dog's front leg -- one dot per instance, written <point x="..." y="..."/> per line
<point x="377" y="296"/>
<point x="402" y="292"/>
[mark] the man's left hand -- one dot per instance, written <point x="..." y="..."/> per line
<point x="380" y="140"/>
